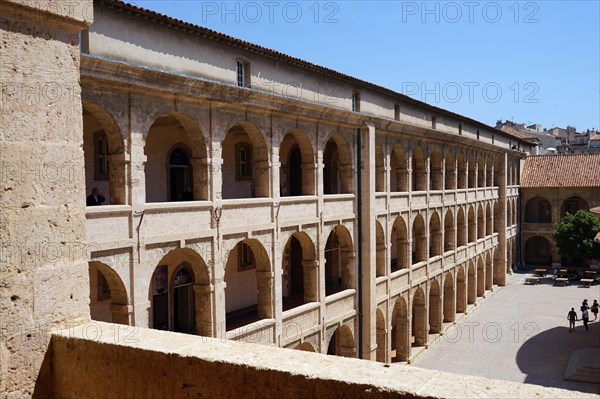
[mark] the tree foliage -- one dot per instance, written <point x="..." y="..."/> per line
<point x="574" y="235"/>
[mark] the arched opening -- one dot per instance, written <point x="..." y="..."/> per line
<point x="472" y="292"/>
<point x="462" y="172"/>
<point x="419" y="171"/>
<point x="399" y="243"/>
<point x="572" y="205"/>
<point x="245" y="171"/>
<point x="419" y="240"/>
<point x="436" y="175"/>
<point x="449" y="299"/>
<point x="248" y="294"/>
<point x="435" y="234"/>
<point x="449" y="232"/>
<point x="419" y="319"/>
<point x="108" y="296"/>
<point x="461" y="226"/>
<point x="400" y="334"/>
<point x="509" y="213"/>
<point x="103" y="151"/>
<point x="489" y="174"/>
<point x="380" y="265"/>
<point x="306" y="347"/>
<point x="342" y="342"/>
<point x="538" y="210"/>
<point x="450" y="175"/>
<point x="497" y="174"/>
<point x="497" y="218"/>
<point x="489" y="273"/>
<point x="300" y="272"/>
<point x="480" y="222"/>
<point x="480" y="173"/>
<point x="176" y="168"/>
<point x="337" y="166"/>
<point x="435" y="308"/>
<point x="472" y="175"/>
<point x="380" y="336"/>
<point x="480" y="278"/>
<point x="339" y="261"/>
<point x="461" y="291"/>
<point x="399" y="171"/>
<point x="297" y="172"/>
<point x="180" y="295"/>
<point x="472" y="227"/>
<point x="537" y="252"/>
<point x="379" y="169"/>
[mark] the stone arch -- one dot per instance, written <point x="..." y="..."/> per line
<point x="380" y="336"/>
<point x="399" y="245"/>
<point x="572" y="205"/>
<point x="472" y="284"/>
<point x="168" y="132"/>
<point x="249" y="290"/>
<point x="339" y="261"/>
<point x="489" y="224"/>
<point x="104" y="153"/>
<point x="305" y="346"/>
<point x="184" y="306"/>
<point x="538" y="210"/>
<point x="461" y="180"/>
<point x="435" y="308"/>
<point x="379" y="168"/>
<point x="419" y="238"/>
<point x="449" y="232"/>
<point x="419" y="318"/>
<point x="300" y="280"/>
<point x="297" y="170"/>
<point x="461" y="290"/>
<point x="108" y="295"/>
<point x="341" y="342"/>
<point x="436" y="175"/>
<point x="435" y="235"/>
<point x="338" y="171"/>
<point x="380" y="265"/>
<point x="461" y="227"/>
<point x="480" y="222"/>
<point x="419" y="170"/>
<point x="449" y="306"/>
<point x="480" y="277"/>
<point x="450" y="172"/>
<point x="399" y="171"/>
<point x="472" y="172"/>
<point x="400" y="334"/>
<point x="489" y="273"/>
<point x="245" y="169"/>
<point x="538" y="251"/>
<point x="472" y="227"/>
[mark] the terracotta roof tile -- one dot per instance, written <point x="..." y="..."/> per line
<point x="517" y="133"/>
<point x="574" y="170"/>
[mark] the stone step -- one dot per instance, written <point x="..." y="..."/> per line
<point x="584" y="365"/>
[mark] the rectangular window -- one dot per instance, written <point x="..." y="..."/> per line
<point x="241" y="78"/>
<point x="477" y="134"/>
<point x="100" y="156"/>
<point x="243" y="160"/>
<point x="433" y="122"/>
<point x="397" y="112"/>
<point x="245" y="258"/>
<point x="355" y="101"/>
<point x="460" y="130"/>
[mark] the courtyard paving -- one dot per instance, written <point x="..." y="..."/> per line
<point x="518" y="333"/>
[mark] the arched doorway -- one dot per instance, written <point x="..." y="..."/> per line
<point x="337" y="166"/>
<point x="108" y="296"/>
<point x="339" y="261"/>
<point x="300" y="272"/>
<point x="435" y="234"/>
<point x="449" y="232"/>
<point x="342" y="342"/>
<point x="183" y="301"/>
<point x="419" y="319"/>
<point x="419" y="240"/>
<point x="297" y="172"/>
<point x="399" y="245"/>
<point x="537" y="252"/>
<point x="419" y="172"/>
<point x="435" y="308"/>
<point x="480" y="278"/>
<point x="461" y="291"/>
<point x="381" y="336"/>
<point x="400" y="331"/>
<point x="472" y="285"/>
<point x="399" y="171"/>
<point x="449" y="299"/>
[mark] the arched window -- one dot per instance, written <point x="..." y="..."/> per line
<point x="545" y="212"/>
<point x="180" y="176"/>
<point x="243" y="161"/>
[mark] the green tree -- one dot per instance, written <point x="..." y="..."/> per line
<point x="574" y="236"/>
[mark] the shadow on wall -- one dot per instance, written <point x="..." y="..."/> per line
<point x="544" y="357"/>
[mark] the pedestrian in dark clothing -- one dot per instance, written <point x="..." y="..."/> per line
<point x="595" y="307"/>
<point x="585" y="317"/>
<point x="572" y="317"/>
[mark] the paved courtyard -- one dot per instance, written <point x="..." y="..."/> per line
<point x="518" y="333"/>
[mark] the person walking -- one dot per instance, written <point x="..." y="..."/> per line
<point x="585" y="316"/>
<point x="572" y="317"/>
<point x="595" y="307"/>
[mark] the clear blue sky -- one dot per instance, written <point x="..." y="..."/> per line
<point x="527" y="61"/>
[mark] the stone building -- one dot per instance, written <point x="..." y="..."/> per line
<point x="250" y="195"/>
<point x="551" y="186"/>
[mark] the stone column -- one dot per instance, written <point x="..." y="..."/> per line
<point x="311" y="280"/>
<point x="44" y="266"/>
<point x="200" y="178"/>
<point x="309" y="178"/>
<point x="261" y="179"/>
<point x="119" y="183"/>
<point x="346" y="179"/>
<point x="368" y="245"/>
<point x="203" y="307"/>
